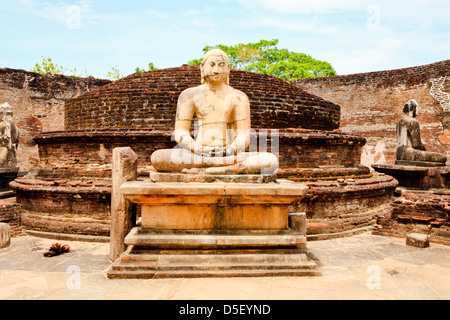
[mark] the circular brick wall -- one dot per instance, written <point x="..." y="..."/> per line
<point x="145" y="100"/>
<point x="78" y="153"/>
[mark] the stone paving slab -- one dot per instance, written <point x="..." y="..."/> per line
<point x="361" y="267"/>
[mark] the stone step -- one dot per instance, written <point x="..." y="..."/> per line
<point x="244" y="273"/>
<point x="138" y="237"/>
<point x="145" y="266"/>
<point x="237" y="273"/>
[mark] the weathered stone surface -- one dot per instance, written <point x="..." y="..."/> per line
<point x="417" y="240"/>
<point x="213" y="230"/>
<point x="213" y="265"/>
<point x="417" y="177"/>
<point x="124" y="169"/>
<point x="6" y="176"/>
<point x="5" y="235"/>
<point x="207" y="178"/>
<point x="214" y="206"/>
<point x="297" y="221"/>
<point x="201" y="240"/>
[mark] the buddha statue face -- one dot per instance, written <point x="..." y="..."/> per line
<point x="215" y="67"/>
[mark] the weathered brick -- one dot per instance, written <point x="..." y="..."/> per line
<point x="417" y="240"/>
<point x="38" y="103"/>
<point x="274" y="102"/>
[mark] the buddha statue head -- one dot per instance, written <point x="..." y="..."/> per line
<point x="411" y="108"/>
<point x="215" y="66"/>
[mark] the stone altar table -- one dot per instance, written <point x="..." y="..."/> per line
<point x="210" y="229"/>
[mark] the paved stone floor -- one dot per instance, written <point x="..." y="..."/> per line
<point x="361" y="267"/>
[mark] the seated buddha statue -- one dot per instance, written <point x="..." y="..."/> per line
<point x="410" y="148"/>
<point x="223" y="116"/>
<point x="9" y="137"/>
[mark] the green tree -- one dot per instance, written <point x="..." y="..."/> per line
<point x="264" y="57"/>
<point x="151" y="67"/>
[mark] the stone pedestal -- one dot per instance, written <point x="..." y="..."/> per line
<point x="218" y="229"/>
<point x="6" y="176"/>
<point x="417" y="177"/>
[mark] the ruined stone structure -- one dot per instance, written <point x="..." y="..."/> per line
<point x="38" y="102"/>
<point x="69" y="191"/>
<point x="370" y="106"/>
<point x="423" y="198"/>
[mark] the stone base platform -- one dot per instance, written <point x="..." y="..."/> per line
<point x="427" y="164"/>
<point x="190" y="228"/>
<point x="63" y="206"/>
<point x="417" y="177"/>
<point x="337" y="209"/>
<point x="153" y="255"/>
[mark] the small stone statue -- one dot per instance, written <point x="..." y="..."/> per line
<point x="410" y="149"/>
<point x="223" y="116"/>
<point x="9" y="137"/>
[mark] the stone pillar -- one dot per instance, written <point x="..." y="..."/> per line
<point x="5" y="235"/>
<point x="123" y="217"/>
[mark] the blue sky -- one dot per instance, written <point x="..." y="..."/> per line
<point x="95" y="35"/>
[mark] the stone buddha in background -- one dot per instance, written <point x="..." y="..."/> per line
<point x="223" y="116"/>
<point x="9" y="137"/>
<point x="410" y="149"/>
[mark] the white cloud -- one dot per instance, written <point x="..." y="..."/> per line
<point x="26" y="3"/>
<point x="57" y="12"/>
<point x="4" y="63"/>
<point x="308" y="6"/>
<point x="191" y="12"/>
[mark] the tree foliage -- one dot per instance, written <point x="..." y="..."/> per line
<point x="151" y="67"/>
<point x="47" y="66"/>
<point x="264" y="57"/>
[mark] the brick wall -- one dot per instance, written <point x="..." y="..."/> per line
<point x="38" y="103"/>
<point x="426" y="213"/>
<point x="372" y="103"/>
<point x="149" y="99"/>
<point x="69" y="153"/>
